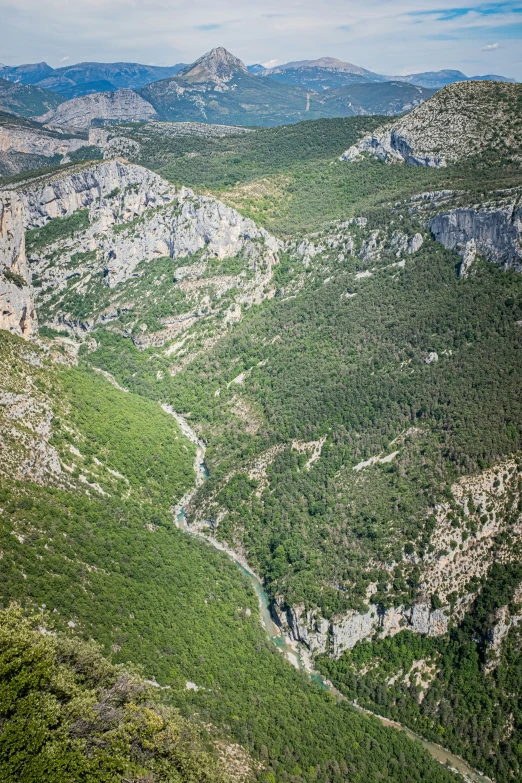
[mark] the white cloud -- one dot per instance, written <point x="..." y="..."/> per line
<point x="490" y="47"/>
<point x="270" y="63"/>
<point x="64" y="59"/>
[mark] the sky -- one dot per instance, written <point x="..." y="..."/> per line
<point x="388" y="36"/>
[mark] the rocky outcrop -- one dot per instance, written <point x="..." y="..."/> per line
<point x="136" y="217"/>
<point x="31" y="141"/>
<point x="79" y="113"/>
<point x="504" y="621"/>
<point x="460" y="120"/>
<point x="27" y="418"/>
<point x="178" y="223"/>
<point x="188" y="225"/>
<point x="494" y="230"/>
<point x="17" y="311"/>
<point x="343" y="633"/>
<point x="89" y="186"/>
<point x="390" y="144"/>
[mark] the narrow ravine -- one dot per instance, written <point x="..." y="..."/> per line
<point x="296" y="654"/>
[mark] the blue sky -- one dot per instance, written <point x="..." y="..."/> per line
<point x="388" y="36"/>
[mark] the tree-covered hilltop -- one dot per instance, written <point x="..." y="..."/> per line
<point x="25" y="100"/>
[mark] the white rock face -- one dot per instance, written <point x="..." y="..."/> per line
<point x="188" y="225"/>
<point x="494" y="230"/>
<point x="34" y="142"/>
<point x="136" y="217"/>
<point x="503" y="622"/>
<point x="63" y="193"/>
<point x="17" y="311"/>
<point x="343" y="633"/>
<point x="393" y="145"/>
<point x="120" y="106"/>
<point x="117" y="193"/>
<point x="415" y="243"/>
<point x="469" y="253"/>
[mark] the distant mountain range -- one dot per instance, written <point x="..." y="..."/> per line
<point x="327" y="73"/>
<point x="216" y="88"/>
<point x="72" y="81"/>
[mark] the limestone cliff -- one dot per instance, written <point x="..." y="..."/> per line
<point x="135" y="217"/>
<point x="343" y="633"/>
<point x="493" y="229"/>
<point x="17" y="311"/>
<point x="88" y="186"/>
<point x="33" y="141"/>
<point x="79" y="113"/>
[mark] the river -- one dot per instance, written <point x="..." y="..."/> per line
<point x="297" y="655"/>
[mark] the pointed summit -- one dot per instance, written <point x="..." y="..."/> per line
<point x="216" y="65"/>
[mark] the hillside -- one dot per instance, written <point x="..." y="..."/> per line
<point x="384" y="98"/>
<point x="87" y="718"/>
<point x="341" y="344"/>
<point x="460" y="121"/>
<point x="218" y="88"/>
<point x="25" y="100"/>
<point x="96" y="516"/>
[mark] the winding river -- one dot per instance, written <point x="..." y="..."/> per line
<point x="298" y="656"/>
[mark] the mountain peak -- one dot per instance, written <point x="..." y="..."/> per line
<point x="218" y="64"/>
